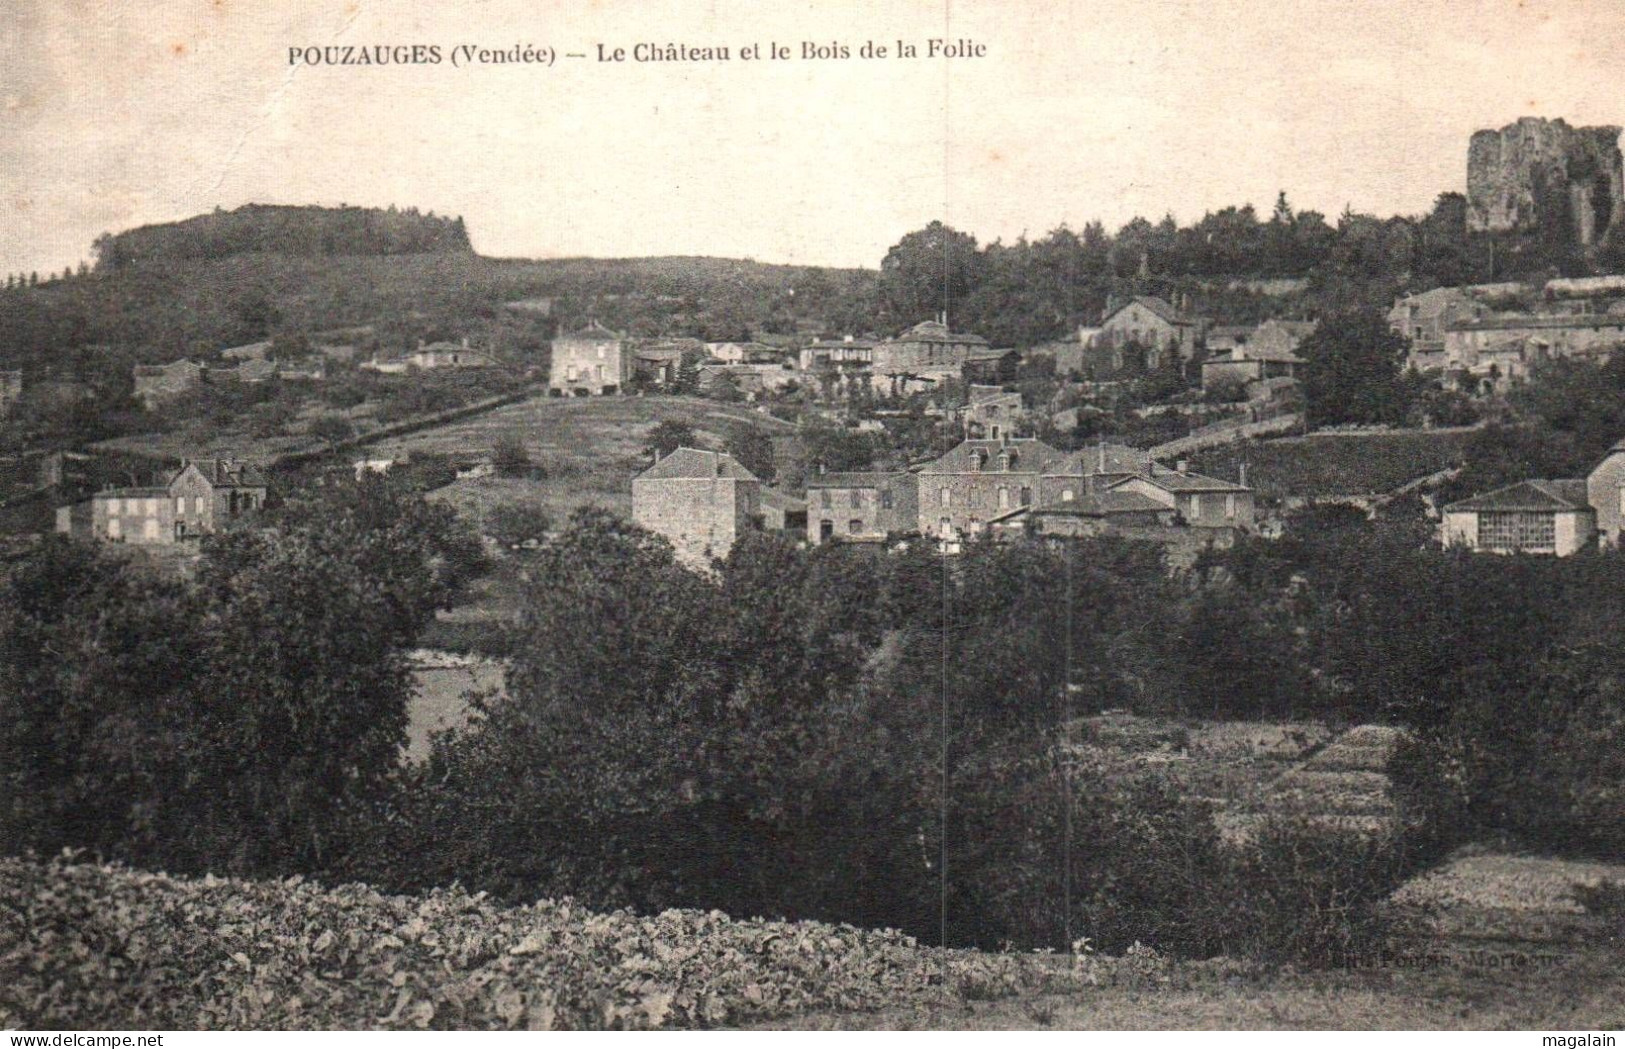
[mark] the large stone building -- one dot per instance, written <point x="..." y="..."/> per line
<point x="700" y="501"/>
<point x="1544" y="177"/>
<point x="924" y="356"/>
<point x="590" y="360"/>
<point x="1014" y="486"/>
<point x="861" y="506"/>
<point x="199" y="498"/>
<point x="961" y="492"/>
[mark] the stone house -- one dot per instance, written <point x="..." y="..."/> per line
<point x="991" y="412"/>
<point x="924" y="356"/>
<point x="1605" y="493"/>
<point x="700" y="501"/>
<point x="1201" y="502"/>
<point x="657" y="366"/>
<point x="1243" y="366"/>
<point x="590" y="360"/>
<point x="199" y="498"/>
<point x="1512" y="343"/>
<point x="965" y="489"/>
<point x="437" y="355"/>
<point x="991" y="367"/>
<point x="1534" y="517"/>
<point x="1150" y="322"/>
<point x="861" y="506"/>
<point x="156" y="383"/>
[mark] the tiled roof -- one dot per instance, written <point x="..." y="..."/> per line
<point x="1543" y="323"/>
<point x="1174" y="481"/>
<point x="593" y="330"/>
<point x="1104" y="504"/>
<point x="936" y="331"/>
<point x="692" y="462"/>
<point x="1105" y="459"/>
<point x="1158" y="306"/>
<point x="782" y="500"/>
<point x="1534" y="495"/>
<point x="1267" y="353"/>
<point x="853" y="479"/>
<point x="227" y="473"/>
<point x="1031" y="456"/>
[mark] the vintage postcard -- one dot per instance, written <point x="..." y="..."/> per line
<point x="868" y="515"/>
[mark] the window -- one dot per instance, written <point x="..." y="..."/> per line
<point x="1066" y="495"/>
<point x="854" y="527"/>
<point x="1230" y="506"/>
<point x="1196" y="507"/>
<point x="114" y="530"/>
<point x="112" y="507"/>
<point x="945" y="528"/>
<point x="857" y="499"/>
<point x="197" y="504"/>
<point x="1004" y="498"/>
<point x="1517" y="530"/>
<point x="825" y="499"/>
<point x="1026" y="496"/>
<point x="600" y="353"/>
<point x="945" y="499"/>
<point x="150" y="507"/>
<point x="885" y="498"/>
<point x="180" y="504"/>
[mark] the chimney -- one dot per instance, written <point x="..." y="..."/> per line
<point x="1183" y="466"/>
<point x="1243" y="475"/>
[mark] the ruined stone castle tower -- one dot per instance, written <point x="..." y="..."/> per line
<point x="1544" y="177"/>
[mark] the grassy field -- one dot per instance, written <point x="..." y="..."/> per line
<point x="1336" y="464"/>
<point x="591" y="448"/>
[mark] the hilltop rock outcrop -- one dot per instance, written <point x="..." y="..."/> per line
<point x="1537" y="176"/>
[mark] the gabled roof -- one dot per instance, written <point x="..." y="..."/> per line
<point x="1174" y="481"/>
<point x="1104" y="504"/>
<point x="1536" y="495"/>
<point x="1104" y="458"/>
<point x="1301" y="329"/>
<point x="226" y="473"/>
<point x="695" y="463"/>
<point x="936" y="331"/>
<point x="1158" y="306"/>
<point x="1031" y="456"/>
<point x="782" y="500"/>
<point x="1251" y="352"/>
<point x="987" y="394"/>
<point x="854" y="479"/>
<point x="593" y="330"/>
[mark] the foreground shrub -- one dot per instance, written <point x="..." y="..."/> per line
<point x="100" y="947"/>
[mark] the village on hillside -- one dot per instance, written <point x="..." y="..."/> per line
<point x="1220" y="610"/>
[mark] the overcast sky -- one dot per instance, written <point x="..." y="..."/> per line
<point x="115" y="114"/>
